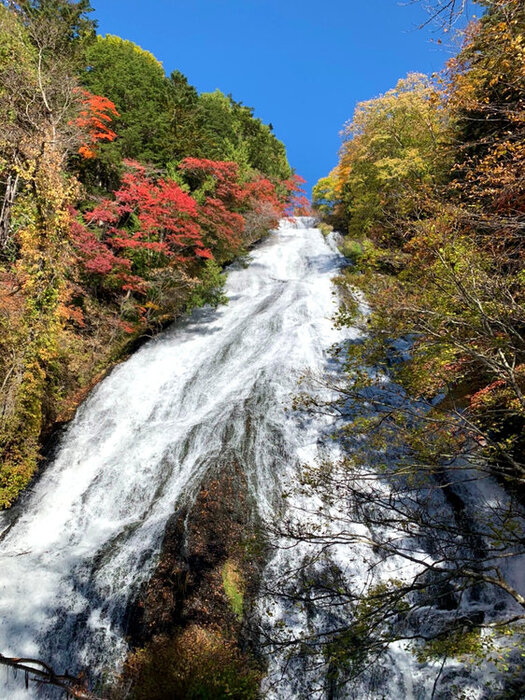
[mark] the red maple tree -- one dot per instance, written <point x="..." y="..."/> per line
<point x="96" y="113"/>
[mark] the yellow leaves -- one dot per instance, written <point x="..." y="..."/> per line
<point x="111" y="39"/>
<point x="37" y="314"/>
<point x="26" y="169"/>
<point x="386" y="164"/>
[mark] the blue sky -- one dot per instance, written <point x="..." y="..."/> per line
<point x="302" y="65"/>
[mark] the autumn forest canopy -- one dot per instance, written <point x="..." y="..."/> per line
<point x="429" y="192"/>
<point x="123" y="192"/>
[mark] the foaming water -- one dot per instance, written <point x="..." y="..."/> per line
<point x="212" y="387"/>
<point x="215" y="387"/>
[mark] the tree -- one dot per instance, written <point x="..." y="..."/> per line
<point x="135" y="82"/>
<point x="42" y="46"/>
<point x="94" y="118"/>
<point x="388" y="159"/>
<point x="41" y="673"/>
<point x="324" y="196"/>
<point x="434" y="179"/>
<point x="148" y="226"/>
<point x="220" y="197"/>
<point x="233" y="133"/>
<point x="445" y="12"/>
<point x="187" y="121"/>
<point x="265" y="209"/>
<point x="67" y="21"/>
<point x="163" y="120"/>
<point x="161" y="239"/>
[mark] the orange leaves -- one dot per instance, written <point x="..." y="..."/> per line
<point x="204" y="253"/>
<point x="484" y="396"/>
<point x="72" y="313"/>
<point x="95" y="115"/>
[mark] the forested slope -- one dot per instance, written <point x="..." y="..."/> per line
<point x="429" y="193"/>
<point x="122" y="193"/>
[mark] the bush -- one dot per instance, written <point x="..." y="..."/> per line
<point x="200" y="664"/>
<point x="210" y="290"/>
<point x="325" y="228"/>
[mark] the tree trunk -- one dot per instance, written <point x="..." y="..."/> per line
<point x="5" y="213"/>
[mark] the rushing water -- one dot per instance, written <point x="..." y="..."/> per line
<point x="213" y="386"/>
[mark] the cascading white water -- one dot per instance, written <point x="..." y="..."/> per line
<point x="76" y="552"/>
<point x="215" y="387"/>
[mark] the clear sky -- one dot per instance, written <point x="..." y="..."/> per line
<point x="302" y="64"/>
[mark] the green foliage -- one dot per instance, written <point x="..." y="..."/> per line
<point x="210" y="288"/>
<point x="353" y="250"/>
<point x="351" y="648"/>
<point x="233" y="587"/>
<point x="458" y="645"/>
<point x="17" y="72"/>
<point x="187" y="119"/>
<point x="163" y="120"/>
<point x="67" y="22"/>
<point x="135" y="81"/>
<point x="325" y="228"/>
<point x="231" y="132"/>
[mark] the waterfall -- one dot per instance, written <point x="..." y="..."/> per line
<point x="76" y="550"/>
<point x="217" y="385"/>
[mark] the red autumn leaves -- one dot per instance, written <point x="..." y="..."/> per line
<point x="155" y="222"/>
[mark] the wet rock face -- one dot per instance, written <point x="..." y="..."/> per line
<point x="159" y="607"/>
<point x="187" y="585"/>
<point x="206" y="572"/>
